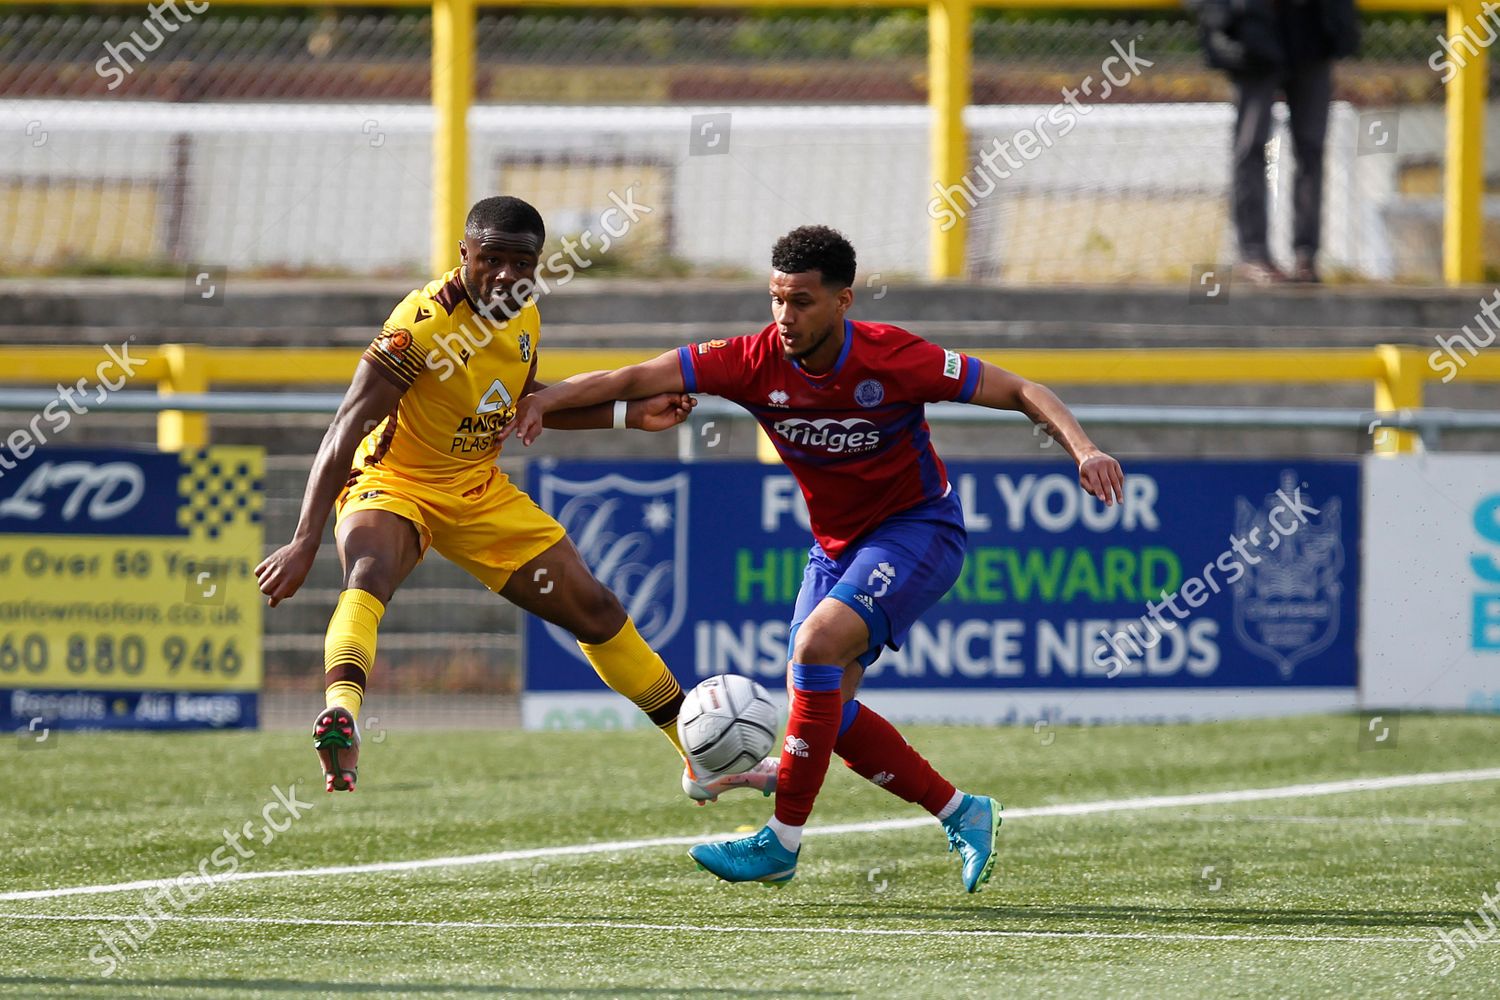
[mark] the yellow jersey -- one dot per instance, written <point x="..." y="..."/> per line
<point x="463" y="375"/>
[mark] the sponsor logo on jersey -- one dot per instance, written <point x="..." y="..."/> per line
<point x="836" y="437"/>
<point x="883" y="778"/>
<point x="523" y="343"/>
<point x="494" y="411"/>
<point x="869" y="393"/>
<point x="796" y="746"/>
<point x="496" y="397"/>
<point x="866" y="601"/>
<point x="778" y="397"/>
<point x="487" y="424"/>
<point x="370" y="494"/>
<point x="953" y="364"/>
<point x="710" y="345"/>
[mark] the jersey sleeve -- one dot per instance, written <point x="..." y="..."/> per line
<point x="717" y="367"/>
<point x="407" y="341"/>
<point x="934" y="375"/>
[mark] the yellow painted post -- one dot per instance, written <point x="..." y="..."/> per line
<point x="948" y="93"/>
<point x="453" y="29"/>
<point x="1463" y="180"/>
<point x="187" y="371"/>
<point x="1399" y="387"/>
<point x="765" y="451"/>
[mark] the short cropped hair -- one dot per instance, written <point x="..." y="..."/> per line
<point x="507" y="214"/>
<point x="816" y="248"/>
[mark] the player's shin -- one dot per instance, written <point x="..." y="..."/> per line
<point x="874" y="750"/>
<point x="811" y="731"/>
<point x="633" y="669"/>
<point x="349" y="649"/>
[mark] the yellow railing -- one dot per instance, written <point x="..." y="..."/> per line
<point x="1398" y="374"/>
<point x="454" y="36"/>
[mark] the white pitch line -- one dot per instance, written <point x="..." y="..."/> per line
<point x="1340" y="820"/>
<point x="610" y="847"/>
<point x="621" y="925"/>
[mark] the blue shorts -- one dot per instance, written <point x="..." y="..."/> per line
<point x="892" y="575"/>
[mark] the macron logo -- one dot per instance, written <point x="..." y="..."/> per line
<point x="796" y="746"/>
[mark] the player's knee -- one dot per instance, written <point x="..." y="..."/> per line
<point x="816" y="646"/>
<point x="373" y="575"/>
<point x="598" y="615"/>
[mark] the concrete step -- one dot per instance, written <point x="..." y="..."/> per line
<point x="320" y="304"/>
<point x="994" y="334"/>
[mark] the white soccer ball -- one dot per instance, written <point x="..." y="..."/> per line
<point x="728" y="724"/>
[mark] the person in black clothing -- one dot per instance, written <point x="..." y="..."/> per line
<point x="1269" y="47"/>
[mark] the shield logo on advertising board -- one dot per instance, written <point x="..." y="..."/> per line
<point x="1286" y="605"/>
<point x="633" y="537"/>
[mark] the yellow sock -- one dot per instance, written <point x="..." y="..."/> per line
<point x="634" y="669"/>
<point x="349" y="649"/>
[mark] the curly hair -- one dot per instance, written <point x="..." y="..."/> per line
<point x="816" y="248"/>
<point x="506" y="213"/>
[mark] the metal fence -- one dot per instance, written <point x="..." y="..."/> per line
<point x="876" y="57"/>
<point x="247" y="140"/>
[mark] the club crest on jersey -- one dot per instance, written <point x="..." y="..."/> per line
<point x="523" y="342"/>
<point x="633" y="536"/>
<point x="869" y="393"/>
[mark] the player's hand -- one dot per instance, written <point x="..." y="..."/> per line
<point x="526" y="425"/>
<point x="281" y="573"/>
<point x="659" y="412"/>
<point x="1102" y="477"/>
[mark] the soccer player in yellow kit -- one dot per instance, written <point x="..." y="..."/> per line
<point x="437" y="385"/>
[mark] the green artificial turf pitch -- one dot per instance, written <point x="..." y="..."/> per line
<point x="1307" y="895"/>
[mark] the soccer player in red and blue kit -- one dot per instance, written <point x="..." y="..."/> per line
<point x="843" y="403"/>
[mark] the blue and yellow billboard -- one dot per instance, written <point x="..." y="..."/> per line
<point x="127" y="593"/>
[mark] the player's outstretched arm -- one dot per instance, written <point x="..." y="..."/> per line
<point x="656" y="413"/>
<point x="370" y="399"/>
<point x="650" y="378"/>
<point x="1098" y="473"/>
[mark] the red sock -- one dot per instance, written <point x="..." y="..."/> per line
<point x="811" y="731"/>
<point x="873" y="749"/>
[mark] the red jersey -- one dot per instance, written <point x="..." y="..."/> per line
<point x="856" y="436"/>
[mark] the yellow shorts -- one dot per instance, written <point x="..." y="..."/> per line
<point x="490" y="531"/>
